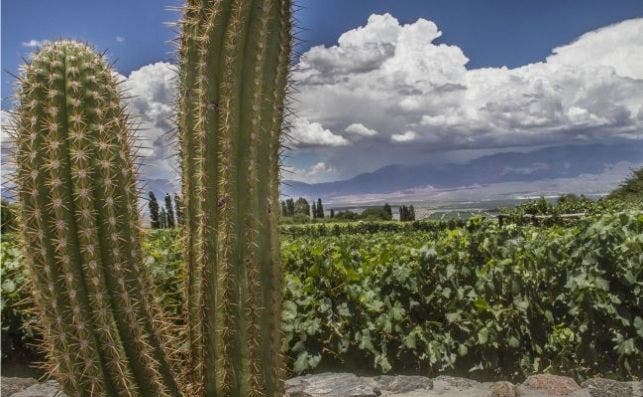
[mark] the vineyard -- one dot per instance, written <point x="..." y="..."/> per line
<point x="463" y="297"/>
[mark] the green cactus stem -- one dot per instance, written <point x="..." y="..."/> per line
<point x="76" y="186"/>
<point x="234" y="58"/>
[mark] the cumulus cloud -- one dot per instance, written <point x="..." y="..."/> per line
<point x="35" y="43"/>
<point x="151" y="92"/>
<point x="394" y="77"/>
<point x="120" y="39"/>
<point x="309" y="134"/>
<point x="389" y="92"/>
<point x="360" y="129"/>
<point x="318" y="172"/>
<point x="404" y="137"/>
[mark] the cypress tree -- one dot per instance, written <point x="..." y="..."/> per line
<point x="388" y="210"/>
<point x="411" y="213"/>
<point x="332" y="213"/>
<point x="154" y="211"/>
<point x="320" y="209"/>
<point x="314" y="211"/>
<point x="178" y="209"/>
<point x="290" y="207"/>
<point x="284" y="209"/>
<point x="169" y="211"/>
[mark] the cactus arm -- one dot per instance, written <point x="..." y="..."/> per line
<point x="233" y="69"/>
<point x="85" y="203"/>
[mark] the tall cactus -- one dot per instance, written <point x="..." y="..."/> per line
<point x="234" y="59"/>
<point x="76" y="185"/>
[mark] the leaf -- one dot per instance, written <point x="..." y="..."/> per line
<point x="483" y="336"/>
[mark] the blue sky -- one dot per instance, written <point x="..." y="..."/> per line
<point x="384" y="82"/>
<point x="491" y="33"/>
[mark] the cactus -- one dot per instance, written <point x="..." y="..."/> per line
<point x="76" y="185"/>
<point x="234" y="58"/>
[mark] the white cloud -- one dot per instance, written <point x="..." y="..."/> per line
<point x="385" y="84"/>
<point x="120" y="39"/>
<point x="35" y="43"/>
<point x="307" y="134"/>
<point x="404" y="137"/>
<point x="318" y="172"/>
<point x="394" y="77"/>
<point x="360" y="129"/>
<point x="152" y="97"/>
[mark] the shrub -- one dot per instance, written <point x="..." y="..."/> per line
<point x="505" y="301"/>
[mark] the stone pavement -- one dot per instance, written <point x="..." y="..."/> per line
<point x="350" y="385"/>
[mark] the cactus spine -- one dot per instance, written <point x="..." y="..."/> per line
<point x="234" y="59"/>
<point x="76" y="185"/>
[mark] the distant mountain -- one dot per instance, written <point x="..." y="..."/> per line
<point x="538" y="165"/>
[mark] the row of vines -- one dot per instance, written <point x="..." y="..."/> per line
<point x="479" y="299"/>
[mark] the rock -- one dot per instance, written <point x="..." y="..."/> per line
<point x="332" y="385"/>
<point x="455" y="382"/>
<point x="402" y="383"/>
<point x="600" y="387"/>
<point x="503" y="389"/>
<point x="47" y="389"/>
<point x="552" y="384"/>
<point x="11" y="385"/>
<point x="637" y="388"/>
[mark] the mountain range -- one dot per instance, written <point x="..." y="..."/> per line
<point x="560" y="163"/>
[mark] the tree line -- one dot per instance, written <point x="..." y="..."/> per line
<point x="168" y="216"/>
<point x="301" y="210"/>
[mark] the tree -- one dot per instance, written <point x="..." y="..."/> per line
<point x="407" y="213"/>
<point x="375" y="213"/>
<point x="388" y="210"/>
<point x="631" y="189"/>
<point x="178" y="209"/>
<point x="284" y="209"/>
<point x="163" y="219"/>
<point x="169" y="211"/>
<point x="320" y="209"/>
<point x="154" y="211"/>
<point x="332" y="213"/>
<point x="314" y="210"/>
<point x="301" y="207"/>
<point x="290" y="207"/>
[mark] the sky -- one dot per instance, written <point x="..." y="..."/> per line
<point x="382" y="81"/>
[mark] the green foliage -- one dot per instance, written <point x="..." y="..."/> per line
<point x="7" y="216"/>
<point x="17" y="315"/>
<point x="155" y="219"/>
<point x="77" y="191"/>
<point x="169" y="211"/>
<point x="320" y="209"/>
<point x="375" y="213"/>
<point x="302" y="207"/>
<point x="631" y="189"/>
<point x="346" y="216"/>
<point x="407" y="213"/>
<point x="336" y="229"/>
<point x="511" y="301"/>
<point x="482" y="297"/>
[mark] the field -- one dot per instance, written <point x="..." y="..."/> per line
<point x="469" y="297"/>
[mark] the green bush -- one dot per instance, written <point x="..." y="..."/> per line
<point x="511" y="300"/>
<point x="431" y="296"/>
